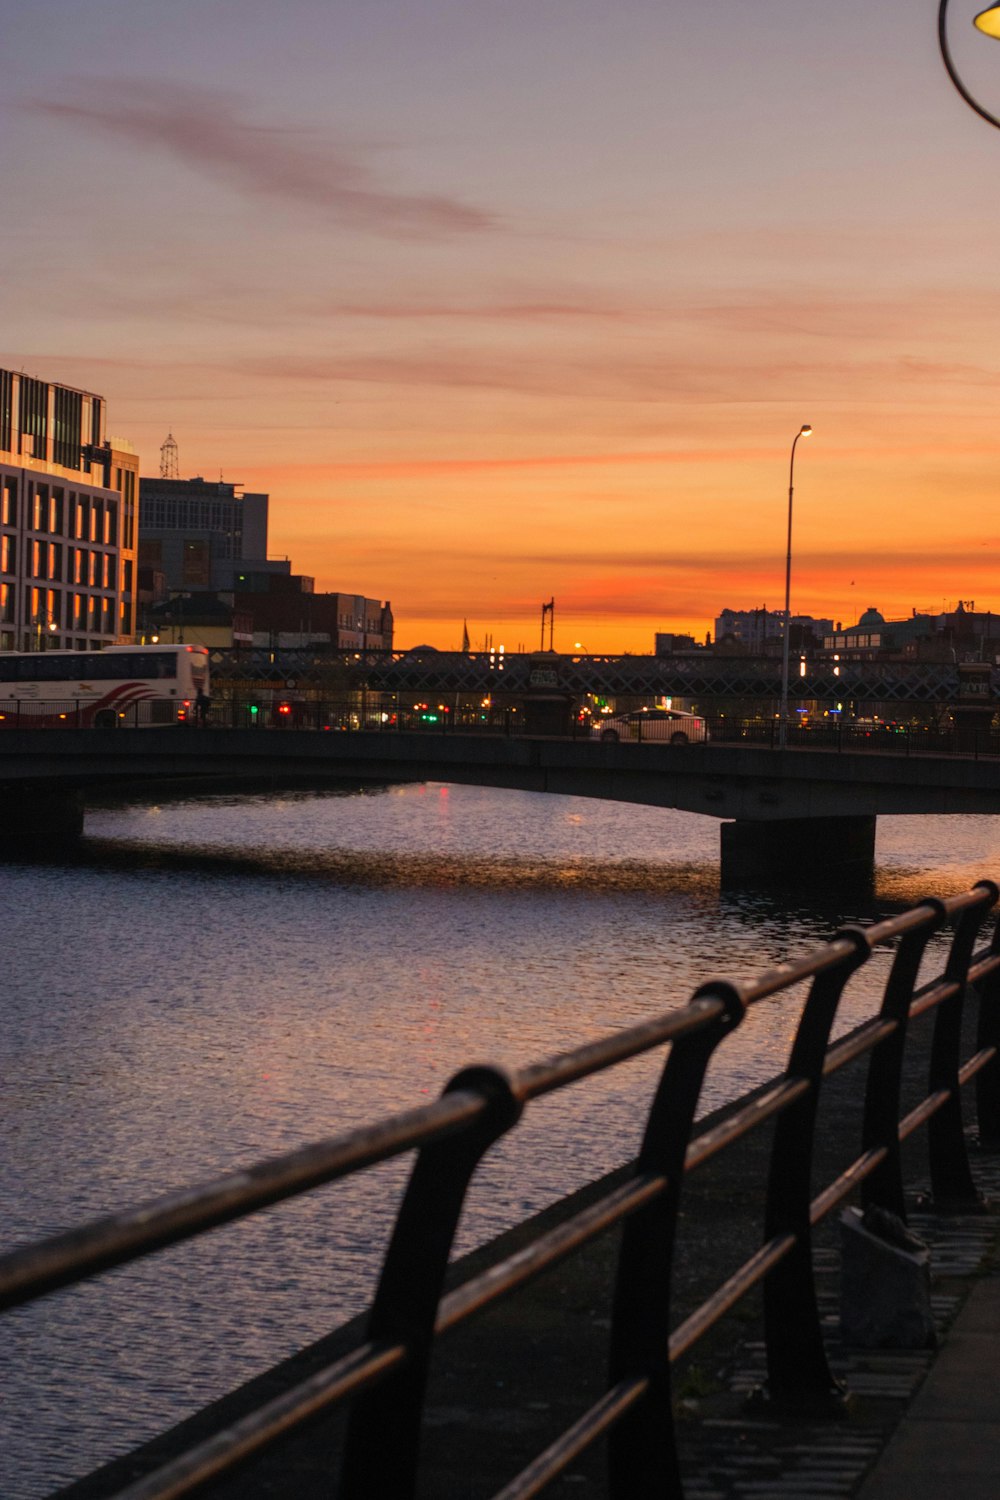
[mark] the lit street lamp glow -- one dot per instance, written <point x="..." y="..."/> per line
<point x="804" y="431"/>
<point x="988" y="21"/>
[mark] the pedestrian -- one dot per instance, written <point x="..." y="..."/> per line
<point x="202" y="704"/>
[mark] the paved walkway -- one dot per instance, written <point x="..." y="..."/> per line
<point x="949" y="1439"/>
<point x="923" y="1423"/>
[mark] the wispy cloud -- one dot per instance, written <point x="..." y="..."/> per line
<point x="417" y="468"/>
<point x="681" y="376"/>
<point x="603" y="374"/>
<point x="213" y="135"/>
<point x="502" y="312"/>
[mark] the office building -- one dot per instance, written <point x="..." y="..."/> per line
<point x="289" y="613"/>
<point x="200" y="534"/>
<point x="68" y="519"/>
<point x="760" y="632"/>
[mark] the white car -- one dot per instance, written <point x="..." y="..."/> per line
<point x="668" y="724"/>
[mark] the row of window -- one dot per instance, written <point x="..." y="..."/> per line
<point x="66" y="427"/>
<point x="47" y="560"/>
<point x="6" y="410"/>
<point x="50" y="509"/>
<point x="33" y="416"/>
<point x="66" y="431"/>
<point x="47" y="611"/>
<point x="847" y="642"/>
<point x="348" y="622"/>
<point x="193" y="515"/>
<point x="40" y="667"/>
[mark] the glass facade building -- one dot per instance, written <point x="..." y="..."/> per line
<point x="68" y="520"/>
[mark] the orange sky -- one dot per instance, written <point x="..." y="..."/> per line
<point x="509" y="302"/>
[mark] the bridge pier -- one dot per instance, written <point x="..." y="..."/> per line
<point x="33" y="821"/>
<point x="803" y="851"/>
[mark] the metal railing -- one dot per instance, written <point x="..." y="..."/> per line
<point x="383" y="1378"/>
<point x="382" y="714"/>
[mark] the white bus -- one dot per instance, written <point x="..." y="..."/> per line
<point x="122" y="685"/>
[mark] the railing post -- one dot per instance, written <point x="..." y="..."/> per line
<point x="798" y="1374"/>
<point x="383" y="1434"/>
<point x="952" y="1184"/>
<point x="642" y="1449"/>
<point x="880" y="1129"/>
<point x="988" y="1036"/>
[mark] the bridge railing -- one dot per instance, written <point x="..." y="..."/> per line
<point x="381" y="714"/>
<point x="383" y="1378"/>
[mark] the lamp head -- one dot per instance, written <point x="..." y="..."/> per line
<point x="805" y="430"/>
<point x="988" y="21"/>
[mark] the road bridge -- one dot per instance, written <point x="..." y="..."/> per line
<point x="794" y="811"/>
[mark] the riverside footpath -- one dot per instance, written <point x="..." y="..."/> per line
<point x="918" y="1422"/>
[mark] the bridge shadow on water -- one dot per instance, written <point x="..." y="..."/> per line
<point x="690" y="886"/>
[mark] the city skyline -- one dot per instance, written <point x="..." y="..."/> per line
<point x="509" y="302"/>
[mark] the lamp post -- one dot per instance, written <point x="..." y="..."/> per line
<point x="988" y="22"/>
<point x="43" y="622"/>
<point x="804" y="431"/>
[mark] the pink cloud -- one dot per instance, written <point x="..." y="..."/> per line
<point x="206" y="132"/>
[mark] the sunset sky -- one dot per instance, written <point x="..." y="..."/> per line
<point x="504" y="300"/>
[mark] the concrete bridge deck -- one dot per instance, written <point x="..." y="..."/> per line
<point x="742" y="781"/>
<point x="785" y="813"/>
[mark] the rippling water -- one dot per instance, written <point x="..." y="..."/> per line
<point x="215" y="981"/>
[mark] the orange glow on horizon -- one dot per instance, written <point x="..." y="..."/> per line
<point x="634" y="543"/>
<point x="363" y="272"/>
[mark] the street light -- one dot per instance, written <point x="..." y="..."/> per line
<point x="804" y="431"/>
<point x="988" y="22"/>
<point x="43" y="622"/>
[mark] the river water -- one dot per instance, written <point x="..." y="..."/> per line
<point x="211" y="982"/>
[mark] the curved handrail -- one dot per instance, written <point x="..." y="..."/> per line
<point x="383" y="1375"/>
<point x="953" y="73"/>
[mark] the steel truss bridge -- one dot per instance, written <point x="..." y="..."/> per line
<point x="699" y="677"/>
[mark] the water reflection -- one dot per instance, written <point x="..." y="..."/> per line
<point x="211" y="982"/>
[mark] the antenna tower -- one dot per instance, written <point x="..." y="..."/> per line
<point x="168" y="458"/>
<point x="550" y="610"/>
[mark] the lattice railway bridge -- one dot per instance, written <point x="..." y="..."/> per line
<point x="699" y="677"/>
